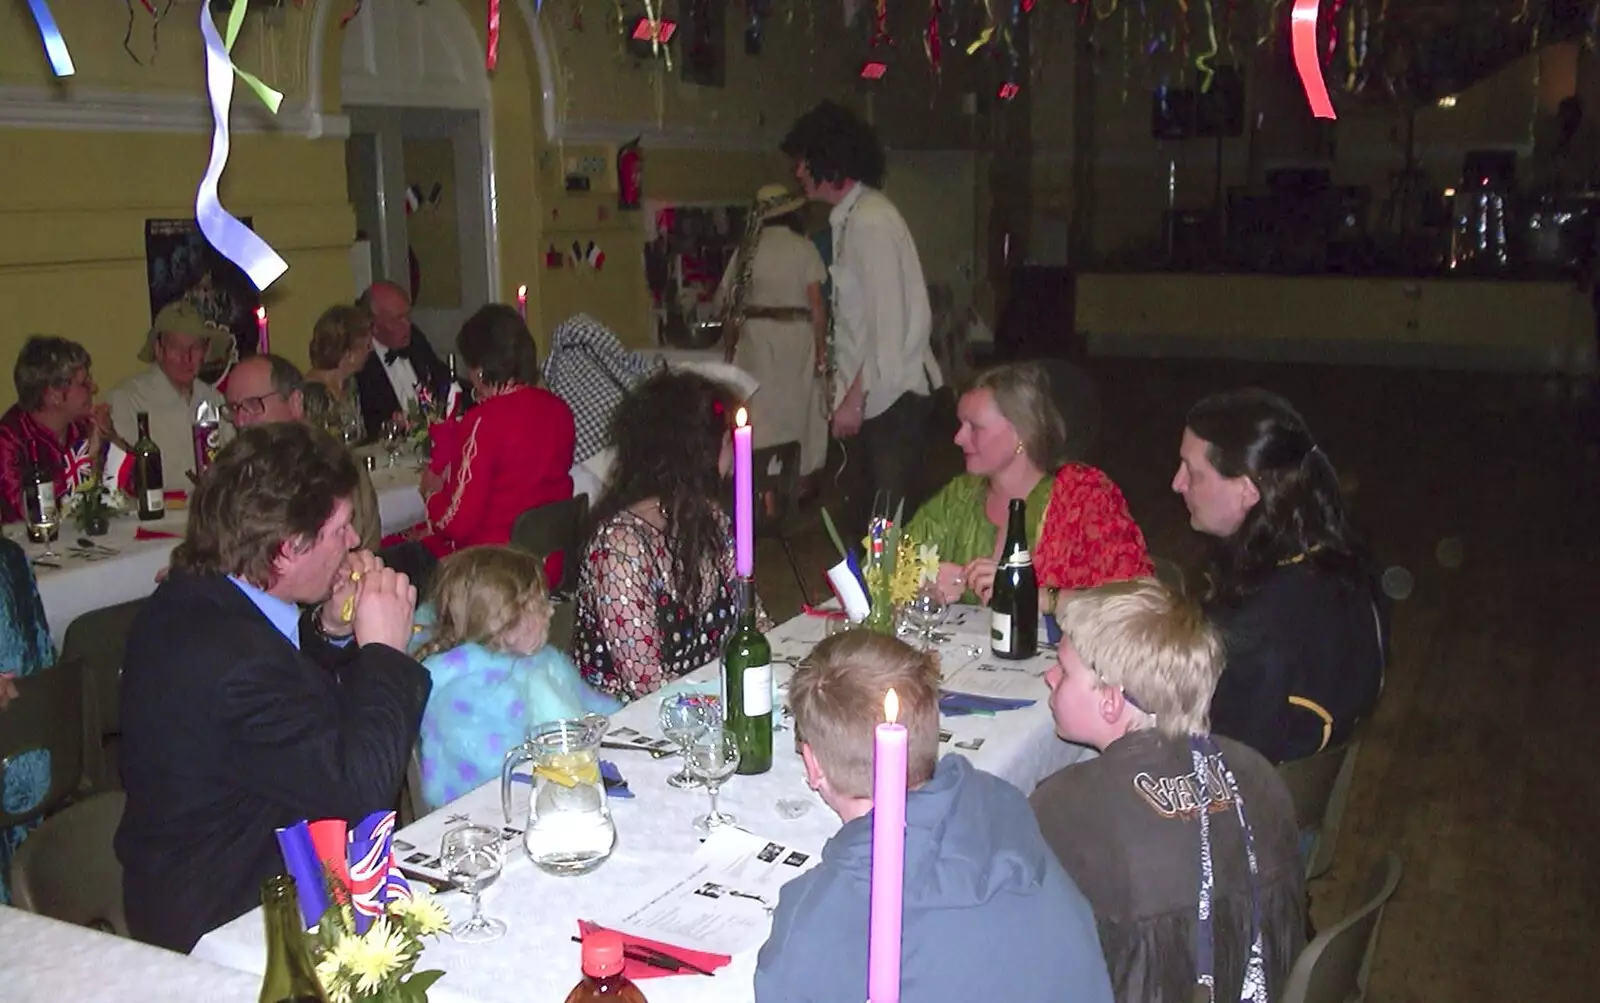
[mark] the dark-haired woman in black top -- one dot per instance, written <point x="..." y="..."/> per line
<point x="1290" y="586"/>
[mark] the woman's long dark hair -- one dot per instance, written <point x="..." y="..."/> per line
<point x="668" y="434"/>
<point x="1256" y="434"/>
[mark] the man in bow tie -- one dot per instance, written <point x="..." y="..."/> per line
<point x="401" y="359"/>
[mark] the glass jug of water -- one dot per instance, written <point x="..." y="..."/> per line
<point x="569" y="827"/>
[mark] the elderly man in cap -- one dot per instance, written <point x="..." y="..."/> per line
<point x="178" y="345"/>
<point x="265" y="389"/>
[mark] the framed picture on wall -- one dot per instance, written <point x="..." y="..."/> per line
<point x="703" y="52"/>
<point x="181" y="264"/>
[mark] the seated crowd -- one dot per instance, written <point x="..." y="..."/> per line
<point x="287" y="667"/>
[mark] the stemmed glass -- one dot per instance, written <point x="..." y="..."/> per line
<point x="713" y="757"/>
<point x="684" y="718"/>
<point x="926" y="612"/>
<point x="472" y="856"/>
<point x="394" y="437"/>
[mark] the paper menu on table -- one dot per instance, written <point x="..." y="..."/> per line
<point x="994" y="677"/>
<point x="724" y="902"/>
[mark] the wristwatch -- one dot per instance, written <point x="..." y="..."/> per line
<point x="322" y="629"/>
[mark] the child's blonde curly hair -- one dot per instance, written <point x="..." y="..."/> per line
<point x="481" y="594"/>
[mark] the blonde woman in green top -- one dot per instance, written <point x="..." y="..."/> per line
<point x="1014" y="441"/>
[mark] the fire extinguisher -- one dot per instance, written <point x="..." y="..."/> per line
<point x="630" y="175"/>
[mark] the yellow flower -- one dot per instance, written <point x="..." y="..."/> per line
<point x="335" y="982"/>
<point x="422" y="913"/>
<point x="375" y="957"/>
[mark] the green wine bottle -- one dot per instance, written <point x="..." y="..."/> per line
<point x="291" y="977"/>
<point x="1014" y="605"/>
<point x="747" y="686"/>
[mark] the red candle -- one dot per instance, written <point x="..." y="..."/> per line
<point x="522" y="302"/>
<point x="263" y="336"/>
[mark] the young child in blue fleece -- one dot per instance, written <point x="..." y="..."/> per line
<point x="989" y="913"/>
<point x="482" y="638"/>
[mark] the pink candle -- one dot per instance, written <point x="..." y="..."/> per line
<point x="522" y="302"/>
<point x="263" y="337"/>
<point x="888" y="855"/>
<point x="744" y="545"/>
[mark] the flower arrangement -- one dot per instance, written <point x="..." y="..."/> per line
<point x="91" y="505"/>
<point x="422" y="414"/>
<point x="915" y="565"/>
<point x="378" y="966"/>
<point x="366" y="923"/>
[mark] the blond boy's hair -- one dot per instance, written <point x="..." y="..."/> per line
<point x="1152" y="642"/>
<point x="837" y="697"/>
<point x="482" y="593"/>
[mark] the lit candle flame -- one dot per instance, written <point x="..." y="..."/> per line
<point x="741" y="418"/>
<point x="522" y="292"/>
<point x="891" y="707"/>
<point x="261" y="313"/>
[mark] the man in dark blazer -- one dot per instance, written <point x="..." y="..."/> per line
<point x="241" y="712"/>
<point x="401" y="359"/>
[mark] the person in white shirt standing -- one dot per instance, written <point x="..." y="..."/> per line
<point x="882" y="370"/>
<point x="179" y="343"/>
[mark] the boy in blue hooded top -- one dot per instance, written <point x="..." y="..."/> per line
<point x="989" y="913"/>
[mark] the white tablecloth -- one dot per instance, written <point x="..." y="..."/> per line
<point x="43" y="961"/>
<point x="537" y="961"/>
<point x="82" y="585"/>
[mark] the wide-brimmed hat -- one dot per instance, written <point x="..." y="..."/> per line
<point x="183" y="317"/>
<point x="773" y="201"/>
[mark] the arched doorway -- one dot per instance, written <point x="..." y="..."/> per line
<point x="420" y="154"/>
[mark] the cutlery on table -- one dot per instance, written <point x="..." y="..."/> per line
<point x="656" y="959"/>
<point x="652" y="753"/>
<point x="46" y="564"/>
<point x="88" y="544"/>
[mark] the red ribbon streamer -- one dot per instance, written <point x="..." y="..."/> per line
<point x="1303" y="35"/>
<point x="493" y="55"/>
<point x="350" y="14"/>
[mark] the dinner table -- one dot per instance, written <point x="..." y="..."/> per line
<point x="88" y="573"/>
<point x="43" y="960"/>
<point x="657" y="845"/>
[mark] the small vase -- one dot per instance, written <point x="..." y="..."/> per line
<point x="96" y="525"/>
<point x="880" y="620"/>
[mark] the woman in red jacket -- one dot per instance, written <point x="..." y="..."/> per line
<point x="510" y="453"/>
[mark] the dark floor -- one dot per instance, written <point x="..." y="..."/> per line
<point x="1473" y="767"/>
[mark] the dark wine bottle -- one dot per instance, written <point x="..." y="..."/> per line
<point x="1014" y="606"/>
<point x="147" y="483"/>
<point x="39" y="498"/>
<point x="291" y="977"/>
<point x="747" y="687"/>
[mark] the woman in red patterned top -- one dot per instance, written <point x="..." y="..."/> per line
<point x="510" y="453"/>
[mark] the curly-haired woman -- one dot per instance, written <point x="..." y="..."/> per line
<point x="1290" y="585"/>
<point x="655" y="592"/>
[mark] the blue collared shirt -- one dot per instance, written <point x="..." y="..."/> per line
<point x="282" y="614"/>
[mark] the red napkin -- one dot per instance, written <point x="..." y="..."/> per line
<point x="639" y="970"/>
<point x="154" y="534"/>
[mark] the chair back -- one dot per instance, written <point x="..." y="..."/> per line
<point x="1319" y="786"/>
<point x="1334" y="967"/>
<point x="47" y="714"/>
<point x="412" y="804"/>
<point x="556" y="527"/>
<point x="563" y="621"/>
<point x="775" y="482"/>
<point x="1170" y="573"/>
<point x="98" y="639"/>
<point x="67" y="869"/>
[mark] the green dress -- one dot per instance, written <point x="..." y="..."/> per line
<point x="953" y="520"/>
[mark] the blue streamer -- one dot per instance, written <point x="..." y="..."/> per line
<point x="232" y="239"/>
<point x="55" y="47"/>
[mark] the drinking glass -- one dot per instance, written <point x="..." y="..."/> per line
<point x="713" y="757"/>
<point x="684" y="718"/>
<point x="46" y="530"/>
<point x="472" y="857"/>
<point x="926" y="612"/>
<point x="394" y="439"/>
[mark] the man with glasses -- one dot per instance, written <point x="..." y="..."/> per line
<point x="267" y="389"/>
<point x="171" y="390"/>
<point x="55" y="418"/>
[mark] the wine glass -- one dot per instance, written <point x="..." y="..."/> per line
<point x="684" y="718"/>
<point x="394" y="437"/>
<point x="472" y="856"/>
<point x="44" y="526"/>
<point x="713" y="757"/>
<point x="926" y="612"/>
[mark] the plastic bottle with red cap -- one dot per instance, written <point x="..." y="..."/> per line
<point x="602" y="972"/>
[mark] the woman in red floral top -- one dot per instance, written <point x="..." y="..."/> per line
<point x="510" y="453"/>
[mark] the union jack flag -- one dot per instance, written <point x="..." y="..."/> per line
<point x="80" y="466"/>
<point x="375" y="880"/>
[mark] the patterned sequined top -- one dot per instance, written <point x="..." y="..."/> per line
<point x="633" y="634"/>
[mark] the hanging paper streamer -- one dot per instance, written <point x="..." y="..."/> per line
<point x="492" y="55"/>
<point x="1303" y="37"/>
<point x="235" y="241"/>
<point x="933" y="39"/>
<point x="1202" y="61"/>
<point x="55" y="47"/>
<point x="350" y="15"/>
